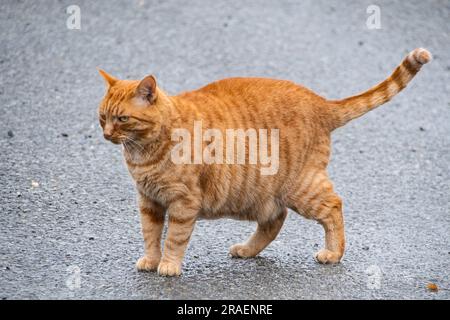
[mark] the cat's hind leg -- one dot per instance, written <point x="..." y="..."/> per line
<point x="329" y="215"/>
<point x="315" y="199"/>
<point x="265" y="233"/>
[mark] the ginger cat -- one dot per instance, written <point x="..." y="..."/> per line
<point x="142" y="117"/>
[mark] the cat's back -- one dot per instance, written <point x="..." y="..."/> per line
<point x="253" y="102"/>
<point x="253" y="88"/>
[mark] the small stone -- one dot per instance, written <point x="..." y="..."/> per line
<point x="360" y="43"/>
<point x="65" y="135"/>
<point x="365" y="248"/>
<point x="10" y="134"/>
<point x="34" y="184"/>
<point x="91" y="238"/>
<point x="7" y="268"/>
<point x="432" y="287"/>
<point x="421" y="129"/>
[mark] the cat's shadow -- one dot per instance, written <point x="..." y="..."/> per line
<point x="234" y="272"/>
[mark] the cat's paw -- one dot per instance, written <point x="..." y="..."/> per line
<point x="326" y="256"/>
<point x="170" y="269"/>
<point x="146" y="263"/>
<point x="241" y="251"/>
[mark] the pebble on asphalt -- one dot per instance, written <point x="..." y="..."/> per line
<point x="432" y="287"/>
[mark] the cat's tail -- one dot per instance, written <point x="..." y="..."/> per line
<point x="353" y="107"/>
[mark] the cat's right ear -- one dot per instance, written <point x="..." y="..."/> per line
<point x="146" y="90"/>
<point x="109" y="79"/>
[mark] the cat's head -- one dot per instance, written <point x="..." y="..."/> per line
<point x="132" y="110"/>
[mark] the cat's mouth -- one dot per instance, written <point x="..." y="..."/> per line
<point x="115" y="140"/>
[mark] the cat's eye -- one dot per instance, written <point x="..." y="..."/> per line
<point x="123" y="118"/>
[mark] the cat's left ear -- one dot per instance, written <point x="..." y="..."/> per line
<point x="146" y="89"/>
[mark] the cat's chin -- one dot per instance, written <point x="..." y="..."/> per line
<point x="116" y="141"/>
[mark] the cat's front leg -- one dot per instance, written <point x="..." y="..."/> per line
<point x="182" y="217"/>
<point x="152" y="223"/>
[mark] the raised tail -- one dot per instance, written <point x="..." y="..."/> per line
<point x="353" y="107"/>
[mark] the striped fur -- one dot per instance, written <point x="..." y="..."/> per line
<point x="188" y="192"/>
<point x="356" y="106"/>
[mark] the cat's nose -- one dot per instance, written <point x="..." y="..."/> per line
<point x="108" y="132"/>
<point x="107" y="135"/>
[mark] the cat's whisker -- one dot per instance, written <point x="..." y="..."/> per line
<point x="135" y="144"/>
<point x="141" y="151"/>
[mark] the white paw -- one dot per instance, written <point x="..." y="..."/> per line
<point x="170" y="269"/>
<point x="241" y="251"/>
<point x="326" y="256"/>
<point x="146" y="263"/>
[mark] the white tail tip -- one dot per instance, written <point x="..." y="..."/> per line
<point x="422" y="55"/>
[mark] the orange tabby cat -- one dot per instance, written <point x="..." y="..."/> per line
<point x="141" y="117"/>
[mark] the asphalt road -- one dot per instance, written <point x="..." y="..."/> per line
<point x="68" y="218"/>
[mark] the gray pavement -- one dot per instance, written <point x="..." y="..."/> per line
<point x="391" y="167"/>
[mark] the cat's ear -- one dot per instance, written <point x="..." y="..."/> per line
<point x="109" y="79"/>
<point x="146" y="89"/>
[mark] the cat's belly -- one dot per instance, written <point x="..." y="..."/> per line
<point x="226" y="212"/>
<point x="249" y="208"/>
<point x="224" y="194"/>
